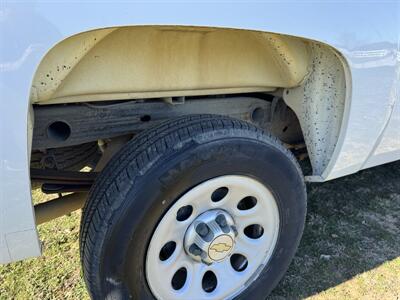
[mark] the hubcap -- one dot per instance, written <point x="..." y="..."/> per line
<point x="214" y="240"/>
<point x="211" y="236"/>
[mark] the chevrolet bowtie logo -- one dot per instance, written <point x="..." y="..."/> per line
<point x="220" y="247"/>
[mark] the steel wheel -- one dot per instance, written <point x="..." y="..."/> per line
<point x="214" y="240"/>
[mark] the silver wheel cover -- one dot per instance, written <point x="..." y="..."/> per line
<point x="229" y="282"/>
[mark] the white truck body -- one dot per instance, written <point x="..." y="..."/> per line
<point x="366" y="35"/>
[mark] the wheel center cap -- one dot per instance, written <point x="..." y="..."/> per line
<point x="211" y="236"/>
<point x="220" y="247"/>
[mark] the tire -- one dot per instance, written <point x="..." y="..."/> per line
<point x="149" y="177"/>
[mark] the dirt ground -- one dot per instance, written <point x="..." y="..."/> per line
<point x="350" y="248"/>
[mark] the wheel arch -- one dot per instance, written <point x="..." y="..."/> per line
<point x="162" y="61"/>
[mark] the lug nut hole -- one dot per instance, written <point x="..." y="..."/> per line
<point x="219" y="194"/>
<point x="247" y="203"/>
<point x="179" y="279"/>
<point x="184" y="213"/>
<point x="239" y="262"/>
<point x="254" y="231"/>
<point x="209" y="282"/>
<point x="167" y="250"/>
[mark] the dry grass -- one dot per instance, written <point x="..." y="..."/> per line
<point x="351" y="244"/>
<point x="350" y="248"/>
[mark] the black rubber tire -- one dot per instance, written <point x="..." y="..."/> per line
<point x="149" y="174"/>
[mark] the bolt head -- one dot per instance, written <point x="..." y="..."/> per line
<point x="195" y="250"/>
<point x="221" y="220"/>
<point x="202" y="229"/>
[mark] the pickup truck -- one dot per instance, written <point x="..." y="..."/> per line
<point x="178" y="128"/>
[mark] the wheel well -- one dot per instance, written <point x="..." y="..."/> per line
<point x="163" y="62"/>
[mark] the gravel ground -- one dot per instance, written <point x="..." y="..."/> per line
<point x="350" y="248"/>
